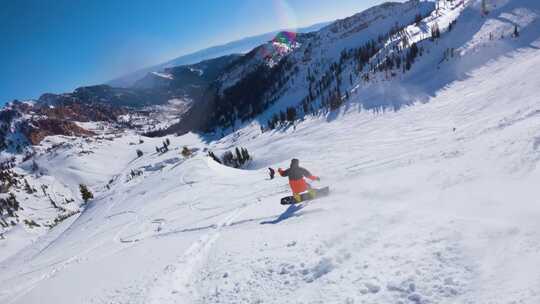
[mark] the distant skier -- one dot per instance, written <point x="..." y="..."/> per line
<point x="296" y="176"/>
<point x="272" y="173"/>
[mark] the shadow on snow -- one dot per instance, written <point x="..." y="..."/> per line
<point x="292" y="211"/>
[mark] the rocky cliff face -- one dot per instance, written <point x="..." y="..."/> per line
<point x="28" y="123"/>
<point x="36" y="130"/>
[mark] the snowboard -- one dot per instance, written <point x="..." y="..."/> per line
<point x="306" y="196"/>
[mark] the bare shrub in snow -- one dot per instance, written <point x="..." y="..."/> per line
<point x="186" y="152"/>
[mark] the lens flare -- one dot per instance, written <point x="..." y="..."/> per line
<point x="285" y="15"/>
<point x="284" y="41"/>
<point x="285" y="37"/>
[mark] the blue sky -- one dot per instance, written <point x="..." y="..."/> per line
<point x="58" y="45"/>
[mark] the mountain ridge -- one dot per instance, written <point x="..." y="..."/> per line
<point x="234" y="47"/>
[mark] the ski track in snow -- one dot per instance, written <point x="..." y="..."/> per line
<point x="174" y="286"/>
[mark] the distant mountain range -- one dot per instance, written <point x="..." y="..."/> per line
<point x="273" y="78"/>
<point x="235" y="47"/>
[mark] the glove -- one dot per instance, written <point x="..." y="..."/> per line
<point x="314" y="178"/>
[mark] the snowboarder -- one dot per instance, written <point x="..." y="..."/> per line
<point x="296" y="176"/>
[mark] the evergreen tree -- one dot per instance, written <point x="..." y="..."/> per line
<point x="28" y="188"/>
<point x="484" y="7"/>
<point x="435" y="31"/>
<point x="214" y="157"/>
<point x="85" y="193"/>
<point x="417" y="19"/>
<point x="305" y="107"/>
<point x="245" y="154"/>
<point x="239" y="157"/>
<point x="282" y="116"/>
<point x="35" y="166"/>
<point x="291" y="114"/>
<point x="8" y="206"/>
<point x="228" y="159"/>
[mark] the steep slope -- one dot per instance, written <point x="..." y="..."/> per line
<point x="412" y="61"/>
<point x="434" y="203"/>
<point x="434" y="189"/>
<point x="384" y="57"/>
<point x="266" y="55"/>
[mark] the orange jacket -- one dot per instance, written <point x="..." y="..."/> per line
<point x="296" y="176"/>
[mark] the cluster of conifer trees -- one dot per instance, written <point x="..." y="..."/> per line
<point x="236" y="159"/>
<point x="8" y="207"/>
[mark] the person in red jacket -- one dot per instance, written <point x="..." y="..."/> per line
<point x="296" y="176"/>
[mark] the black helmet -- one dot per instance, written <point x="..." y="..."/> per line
<point x="295" y="162"/>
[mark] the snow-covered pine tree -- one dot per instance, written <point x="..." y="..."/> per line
<point x="239" y="157"/>
<point x="28" y="188"/>
<point x="214" y="157"/>
<point x="245" y="154"/>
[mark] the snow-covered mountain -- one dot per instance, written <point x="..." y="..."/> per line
<point x="286" y="72"/>
<point x="394" y="43"/>
<point x="201" y="74"/>
<point x="426" y="130"/>
<point x="235" y="47"/>
<point x="153" y="103"/>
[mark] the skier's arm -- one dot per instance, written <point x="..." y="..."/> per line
<point x="307" y="174"/>
<point x="283" y="172"/>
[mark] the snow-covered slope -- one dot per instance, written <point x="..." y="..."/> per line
<point x="434" y="203"/>
<point x="311" y="65"/>
<point x="388" y="56"/>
